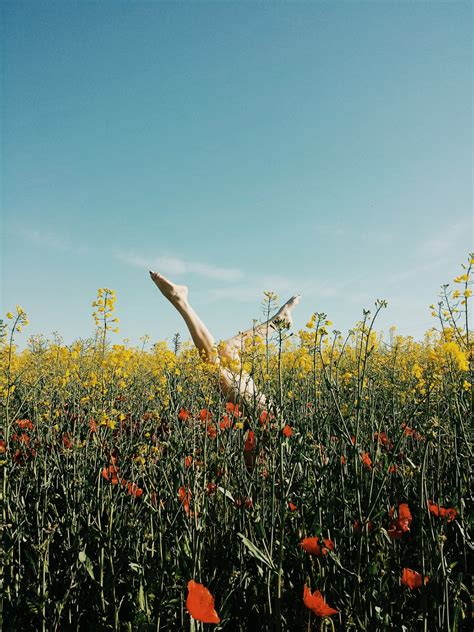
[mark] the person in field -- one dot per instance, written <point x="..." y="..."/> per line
<point x="235" y="383"/>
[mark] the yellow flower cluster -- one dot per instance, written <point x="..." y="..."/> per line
<point x="105" y="307"/>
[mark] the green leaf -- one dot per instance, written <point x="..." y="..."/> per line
<point x="257" y="553"/>
<point x="226" y="493"/>
<point x="86" y="562"/>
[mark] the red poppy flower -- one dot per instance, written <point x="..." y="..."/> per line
<point x="449" y="513"/>
<point x="287" y="431"/>
<point x="241" y="501"/>
<point x="233" y="409"/>
<point x="366" y="460"/>
<point x="188" y="461"/>
<point x="316" y="603"/>
<point x="442" y="512"/>
<point x="211" y="488"/>
<point x="211" y="431"/>
<point x="392" y="469"/>
<point x="67" y="443"/>
<point x="404" y="516"/>
<point x="249" y="445"/>
<point x="134" y="490"/>
<point x="314" y="547"/>
<point x="412" y="579"/>
<point x="401" y="524"/>
<point x="226" y="423"/>
<point x="382" y="438"/>
<point x="200" y="603"/>
<point x="24" y="424"/>
<point x="409" y="432"/>
<point x="183" y="414"/>
<point x="184" y="496"/>
<point x="343" y="459"/>
<point x="263" y="418"/>
<point x="110" y="474"/>
<point x="3" y="446"/>
<point x="205" y="415"/>
<point x="292" y="506"/>
<point x="113" y="471"/>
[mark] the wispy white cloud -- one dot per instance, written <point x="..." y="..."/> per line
<point x="41" y="237"/>
<point x="176" y="266"/>
<point x="47" y="239"/>
<point x="283" y="286"/>
<point x="451" y="238"/>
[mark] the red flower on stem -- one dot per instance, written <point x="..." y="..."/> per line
<point x="200" y="603"/>
<point x="226" y="423"/>
<point x="134" y="490"/>
<point x="183" y="414"/>
<point x="265" y="417"/>
<point x="448" y="514"/>
<point x="315" y="547"/>
<point x="185" y="496"/>
<point x="111" y="474"/>
<point x="233" y="409"/>
<point x="211" y="431"/>
<point x="250" y="441"/>
<point x="316" y="603"/>
<point x="412" y="579"/>
<point x="67" y="443"/>
<point x="382" y="438"/>
<point x="205" y="415"/>
<point x="24" y="424"/>
<point x="401" y="524"/>
<point x="366" y="460"/>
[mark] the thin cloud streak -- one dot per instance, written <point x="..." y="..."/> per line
<point x="43" y="238"/>
<point x="447" y="240"/>
<point x="175" y="266"/>
<point x="47" y="239"/>
<point x="283" y="286"/>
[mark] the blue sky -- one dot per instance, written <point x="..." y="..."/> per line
<point x="314" y="148"/>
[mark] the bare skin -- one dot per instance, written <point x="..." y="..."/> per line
<point x="235" y="384"/>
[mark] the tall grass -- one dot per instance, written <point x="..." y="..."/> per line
<point x="124" y="477"/>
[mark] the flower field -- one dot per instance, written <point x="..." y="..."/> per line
<point x="135" y="497"/>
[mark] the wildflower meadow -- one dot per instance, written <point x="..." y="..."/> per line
<point x="135" y="497"/>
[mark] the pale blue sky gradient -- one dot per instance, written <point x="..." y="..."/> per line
<point x="314" y="148"/>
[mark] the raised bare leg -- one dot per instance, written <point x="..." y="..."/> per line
<point x="232" y="347"/>
<point x="178" y="297"/>
<point x="236" y="384"/>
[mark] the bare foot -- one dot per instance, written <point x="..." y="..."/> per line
<point x="284" y="313"/>
<point x="176" y="294"/>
